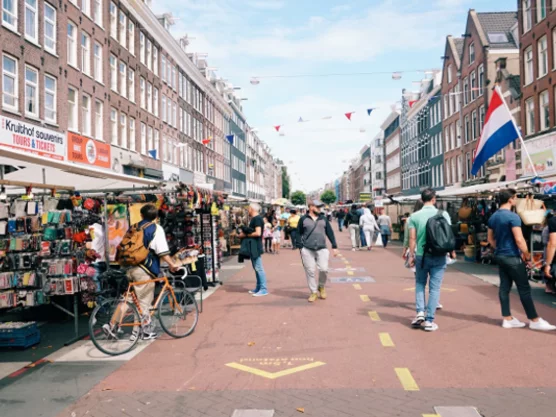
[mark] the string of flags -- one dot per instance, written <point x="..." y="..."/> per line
<point x="348" y="116"/>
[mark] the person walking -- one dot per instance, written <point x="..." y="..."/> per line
<point x="352" y="223"/>
<point x="267" y="236"/>
<point x="368" y="225"/>
<point x="276" y="238"/>
<point x="312" y="231"/>
<point x="511" y="254"/>
<point x="341" y="216"/>
<point x="385" y="224"/>
<point x="255" y="232"/>
<point x="293" y="222"/>
<point x="427" y="268"/>
<point x="549" y="252"/>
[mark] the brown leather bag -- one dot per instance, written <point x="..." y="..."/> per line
<point x="465" y="211"/>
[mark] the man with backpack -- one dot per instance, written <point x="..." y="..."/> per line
<point x="430" y="240"/>
<point x="312" y="231"/>
<point x="143" y="248"/>
<point x="352" y="223"/>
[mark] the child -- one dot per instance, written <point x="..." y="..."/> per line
<point x="276" y="236"/>
<point x="267" y="235"/>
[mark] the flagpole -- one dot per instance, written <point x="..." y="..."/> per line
<point x="523" y="147"/>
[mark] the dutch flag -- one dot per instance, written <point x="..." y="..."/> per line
<point x="498" y="132"/>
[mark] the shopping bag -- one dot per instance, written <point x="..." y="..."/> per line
<point x="531" y="210"/>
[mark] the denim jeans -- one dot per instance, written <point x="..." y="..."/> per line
<point x="340" y="224"/>
<point x="259" y="272"/>
<point x="362" y="237"/>
<point x="431" y="270"/>
<point x="512" y="269"/>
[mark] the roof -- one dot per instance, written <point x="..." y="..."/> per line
<point x="458" y="42"/>
<point x="499" y="23"/>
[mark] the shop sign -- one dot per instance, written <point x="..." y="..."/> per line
<point x="88" y="151"/>
<point x="364" y="197"/>
<point x="543" y="155"/>
<point x="379" y="203"/>
<point x="33" y="139"/>
<point x="549" y="188"/>
<point x="199" y="178"/>
<point x="170" y="173"/>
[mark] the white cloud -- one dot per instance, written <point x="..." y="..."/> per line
<point x="340" y="9"/>
<point x="266" y="4"/>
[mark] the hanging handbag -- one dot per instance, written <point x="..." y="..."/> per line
<point x="531" y="210"/>
<point x="465" y="211"/>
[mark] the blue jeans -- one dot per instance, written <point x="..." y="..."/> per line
<point x="432" y="269"/>
<point x="340" y="224"/>
<point x="259" y="272"/>
<point x="362" y="237"/>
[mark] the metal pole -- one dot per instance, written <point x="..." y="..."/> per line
<point x="106" y="237"/>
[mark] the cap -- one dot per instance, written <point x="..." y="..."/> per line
<point x="316" y="203"/>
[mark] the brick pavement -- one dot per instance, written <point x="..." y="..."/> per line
<point x="470" y="361"/>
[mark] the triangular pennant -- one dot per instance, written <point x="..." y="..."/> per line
<point x="369" y="111"/>
<point x="300" y="120"/>
<point x="230" y="139"/>
<point x="153" y="153"/>
<point x="206" y="141"/>
<point x="348" y="115"/>
<point x="277" y="128"/>
<point x="412" y="102"/>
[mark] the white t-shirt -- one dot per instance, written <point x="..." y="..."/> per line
<point x="159" y="244"/>
<point x="98" y="244"/>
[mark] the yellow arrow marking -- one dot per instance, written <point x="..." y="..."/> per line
<point x="365" y="298"/>
<point x="406" y="379"/>
<point x="442" y="289"/>
<point x="386" y="340"/>
<point x="350" y="272"/>
<point x="374" y="316"/>
<point x="274" y="375"/>
<point x="357" y="286"/>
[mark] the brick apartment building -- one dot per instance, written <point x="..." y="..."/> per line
<point x="487" y="38"/>
<point x="537" y="37"/>
<point x="110" y="75"/>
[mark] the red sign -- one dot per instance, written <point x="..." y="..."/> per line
<point x="88" y="151"/>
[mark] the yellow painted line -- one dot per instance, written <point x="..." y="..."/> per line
<point x="432" y="415"/>
<point x="350" y="272"/>
<point x="274" y="375"/>
<point x="386" y="340"/>
<point x="357" y="286"/>
<point x="374" y="316"/>
<point x="365" y="298"/>
<point x="406" y="379"/>
<point x="346" y="262"/>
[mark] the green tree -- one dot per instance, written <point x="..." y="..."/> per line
<point x="298" y="198"/>
<point x="328" y="197"/>
<point x="285" y="183"/>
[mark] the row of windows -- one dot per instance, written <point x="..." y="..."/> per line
<point x="417" y="177"/>
<point x="238" y="186"/>
<point x="393" y="181"/>
<point x="544" y="113"/>
<point x="437" y="176"/>
<point x="542" y="59"/>
<point x="527" y="12"/>
<point x="238" y="164"/>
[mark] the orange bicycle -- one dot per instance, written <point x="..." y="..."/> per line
<point x="176" y="309"/>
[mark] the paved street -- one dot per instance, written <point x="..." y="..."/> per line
<point x="351" y="355"/>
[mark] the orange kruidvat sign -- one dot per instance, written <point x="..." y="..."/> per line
<point x="88" y="151"/>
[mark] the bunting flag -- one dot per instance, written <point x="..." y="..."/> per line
<point x="412" y="102"/>
<point x="348" y="115"/>
<point x="153" y="153"/>
<point x="369" y="111"/>
<point x="277" y="128"/>
<point x="300" y="120"/>
<point x="206" y="141"/>
<point x="230" y="139"/>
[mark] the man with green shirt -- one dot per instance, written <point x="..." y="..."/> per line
<point x="431" y="268"/>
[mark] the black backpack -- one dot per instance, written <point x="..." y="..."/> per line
<point x="440" y="239"/>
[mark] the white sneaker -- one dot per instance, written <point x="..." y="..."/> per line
<point x="430" y="326"/>
<point x="512" y="324"/>
<point x="439" y="307"/>
<point x="541" y="325"/>
<point x="353" y="250"/>
<point x="418" y="320"/>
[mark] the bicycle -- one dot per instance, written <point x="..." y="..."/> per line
<point x="177" y="311"/>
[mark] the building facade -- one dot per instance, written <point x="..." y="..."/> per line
<point x="391" y="127"/>
<point x="378" y="167"/>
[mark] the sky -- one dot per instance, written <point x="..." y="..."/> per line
<point x="268" y="38"/>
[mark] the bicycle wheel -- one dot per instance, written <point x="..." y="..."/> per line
<point x="111" y="326"/>
<point x="178" y="315"/>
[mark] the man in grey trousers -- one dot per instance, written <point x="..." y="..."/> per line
<point x="312" y="231"/>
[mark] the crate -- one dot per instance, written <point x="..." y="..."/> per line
<point x="21" y="341"/>
<point x="18" y="333"/>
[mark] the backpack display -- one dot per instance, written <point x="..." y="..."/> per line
<point x="132" y="250"/>
<point x="440" y="239"/>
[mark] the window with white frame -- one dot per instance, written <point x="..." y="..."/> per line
<point x="446" y="107"/>
<point x="481" y="80"/>
<point x="50" y="113"/>
<point x="527" y="15"/>
<point x="458" y="133"/>
<point x="9" y="14"/>
<point x="150" y="139"/>
<point x="131" y="33"/>
<point x="31" y="20"/>
<point x="149" y="97"/>
<point x="474" y="125"/>
<point x="155" y="60"/>
<point x="143" y="138"/>
<point x="529" y="72"/>
<point x="452" y="136"/>
<point x="113" y="20"/>
<point x="131" y="84"/>
<point x="481" y="119"/>
<point x="465" y="91"/>
<point x="554" y="45"/>
<point x="544" y="110"/>
<point x="72" y="44"/>
<point x="449" y="73"/>
<point x="542" y="48"/>
<point x="31" y="91"/>
<point x="114" y="126"/>
<point x="97" y="62"/>
<point x="169" y="111"/>
<point x="163" y="67"/>
<point x="49" y="28"/>
<point x="148" y="56"/>
<point x="142" y="47"/>
<point x="174" y="115"/>
<point x="530" y="116"/>
<point x="143" y="93"/>
<point x="541" y="10"/>
<point x="99" y="126"/>
<point x="123" y="29"/>
<point x="97" y="12"/>
<point x="132" y="137"/>
<point x="473" y="86"/>
<point x="86" y="115"/>
<point x="174" y="78"/>
<point x="163" y="108"/>
<point x="86" y="7"/>
<point x="123" y="130"/>
<point x="85" y="53"/>
<point x="72" y="109"/>
<point x="471" y="53"/>
<point x="10" y="80"/>
<point x="467" y="129"/>
<point x="155" y="102"/>
<point x="157" y="143"/>
<point x="113" y="73"/>
<point x="123" y="79"/>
